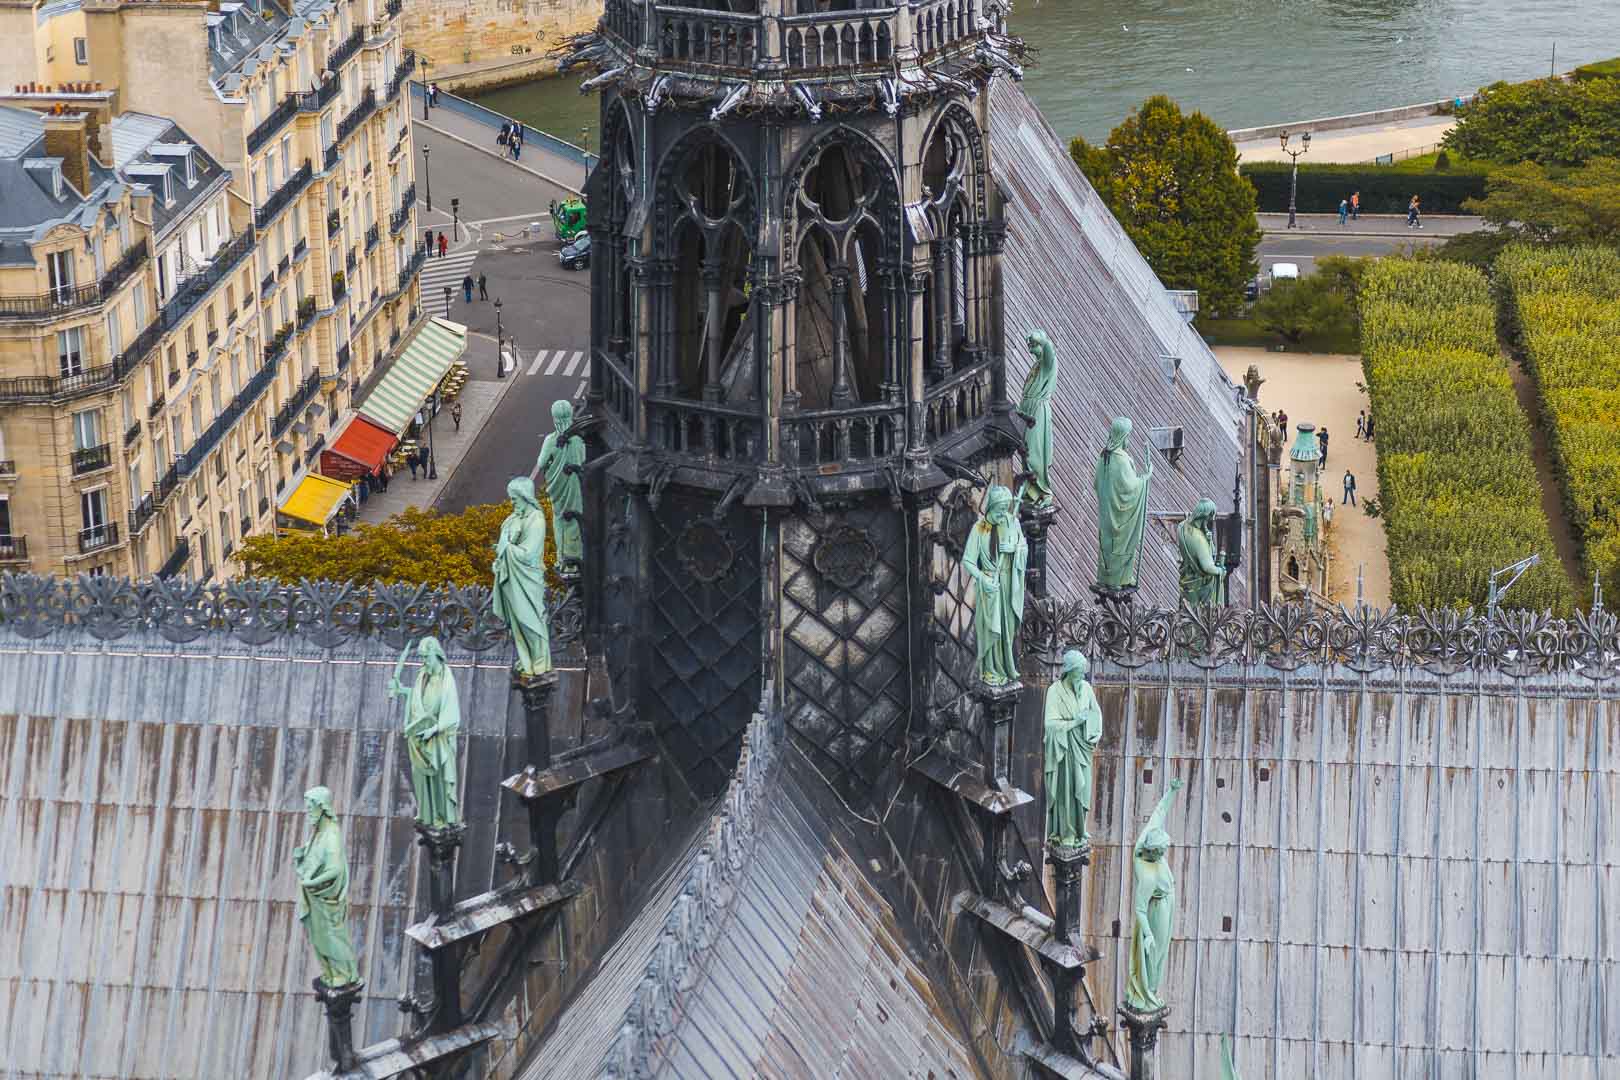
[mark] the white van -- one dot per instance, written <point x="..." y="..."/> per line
<point x="1284" y="272"/>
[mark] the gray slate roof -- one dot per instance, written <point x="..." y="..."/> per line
<point x="136" y="139"/>
<point x="1070" y="270"/>
<point x="150" y="799"/>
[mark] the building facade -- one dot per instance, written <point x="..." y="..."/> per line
<point x="222" y="252"/>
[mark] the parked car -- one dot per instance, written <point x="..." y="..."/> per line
<point x="1284" y="272"/>
<point x="577" y="255"/>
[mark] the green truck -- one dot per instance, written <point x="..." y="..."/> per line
<point x="568" y="217"/>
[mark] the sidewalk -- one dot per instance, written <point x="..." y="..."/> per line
<point x="537" y="160"/>
<point x="1386" y="225"/>
<point x="1354" y="145"/>
<point x="479" y="398"/>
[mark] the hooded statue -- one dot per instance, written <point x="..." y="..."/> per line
<point x="995" y="557"/>
<point x="323" y="891"/>
<point x="1036" y="404"/>
<point x="559" y="458"/>
<point x="1154" y="910"/>
<point x="432" y="721"/>
<point x="1121" y="509"/>
<point x="1073" y="727"/>
<point x="1201" y="576"/>
<point x="520" y="578"/>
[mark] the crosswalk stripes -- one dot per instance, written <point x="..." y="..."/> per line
<point x="564" y="363"/>
<point x="437" y="273"/>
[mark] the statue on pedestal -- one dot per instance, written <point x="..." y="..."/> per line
<point x="1154" y="910"/>
<point x="520" y="579"/>
<point x="1073" y="726"/>
<point x="1121" y="511"/>
<point x="559" y="457"/>
<point x="432" y="721"/>
<point x="323" y="891"/>
<point x="1201" y="575"/>
<point x="1036" y="407"/>
<point x="996" y="556"/>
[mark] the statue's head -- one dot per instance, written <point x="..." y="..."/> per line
<point x="562" y="414"/>
<point x="431" y="652"/>
<point x="996" y="505"/>
<point x="1036" y="340"/>
<point x="1119" y="433"/>
<point x="318" y="804"/>
<point x="520" y="489"/>
<point x="1075" y="664"/>
<point x="1204" y="513"/>
<point x="1154" y="845"/>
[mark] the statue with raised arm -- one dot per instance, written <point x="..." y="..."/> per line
<point x="432" y="721"/>
<point x="323" y="891"/>
<point x="1073" y="726"/>
<point x="996" y="556"/>
<point x="1036" y="407"/>
<point x="1201" y="575"/>
<point x="1154" y="910"/>
<point x="1121" y="510"/>
<point x="561" y="457"/>
<point x="520" y="578"/>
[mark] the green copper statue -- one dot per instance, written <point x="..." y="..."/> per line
<point x="520" y="578"/>
<point x="1121" y="510"/>
<point x="558" y="457"/>
<point x="1036" y="404"/>
<point x="1201" y="576"/>
<point x="1073" y="726"/>
<point x="432" y="720"/>
<point x="323" y="891"/>
<point x="1155" y="910"/>
<point x="1228" y="1066"/>
<point x="996" y="556"/>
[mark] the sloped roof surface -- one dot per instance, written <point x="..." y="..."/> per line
<point x="150" y="799"/>
<point x="1069" y="269"/>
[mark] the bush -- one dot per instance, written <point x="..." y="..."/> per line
<point x="1383" y="189"/>
<point x="1457" y="484"/>
<point x="1548" y="121"/>
<point x="1313" y="305"/>
<point x="1562" y="308"/>
<point x="1603" y="69"/>
<point x="1442" y="162"/>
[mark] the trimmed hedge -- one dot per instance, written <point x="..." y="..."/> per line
<point x="1383" y="190"/>
<point x="1455" y="473"/>
<point x="1561" y="306"/>
<point x="1602" y="69"/>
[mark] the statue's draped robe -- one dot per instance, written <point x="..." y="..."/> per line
<point x="998" y="553"/>
<point x="1200" y="577"/>
<point x="563" y="489"/>
<point x="323" y="903"/>
<point x="1156" y="905"/>
<point x="1121" y="517"/>
<point x="1073" y="726"/>
<point x="432" y="720"/>
<point x="1037" y="405"/>
<point x="520" y="588"/>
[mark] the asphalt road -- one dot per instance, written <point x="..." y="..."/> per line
<point x="1305" y="248"/>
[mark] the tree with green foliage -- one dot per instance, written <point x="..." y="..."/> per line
<point x="419" y="547"/>
<point x="1310" y="305"/>
<point x="1171" y="179"/>
<point x="1547" y="121"/>
<point x="1527" y="202"/>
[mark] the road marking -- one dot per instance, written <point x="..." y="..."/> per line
<point x="573" y="363"/>
<point x="557" y="359"/>
<point x="580" y="392"/>
<point x="511" y="363"/>
<point x="539" y="358"/>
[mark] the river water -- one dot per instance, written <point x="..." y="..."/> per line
<point x="1243" y="62"/>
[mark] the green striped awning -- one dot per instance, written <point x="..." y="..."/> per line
<point x="394" y="401"/>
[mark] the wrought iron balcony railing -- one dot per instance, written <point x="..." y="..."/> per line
<point x="266" y="128"/>
<point x="357" y="115"/>
<point x="302" y="396"/>
<point x="13" y="548"/>
<point x="57" y="301"/>
<point x="350" y="45"/>
<point x="401" y="217"/>
<point x="97" y="537"/>
<point x="285" y="194"/>
<point x="91" y="458"/>
<point x="176" y="560"/>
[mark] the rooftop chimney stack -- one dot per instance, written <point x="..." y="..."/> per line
<point x="67" y="136"/>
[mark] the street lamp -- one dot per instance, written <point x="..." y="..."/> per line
<point x="500" y="354"/>
<point x="433" y="459"/>
<point x="1293" y="183"/>
<point x="455" y="220"/>
<point x="447" y="301"/>
<point x="427" y="98"/>
<point x="427" y="177"/>
<point x="585" y="138"/>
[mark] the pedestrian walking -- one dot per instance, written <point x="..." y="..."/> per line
<point x="483" y="287"/>
<point x="1355" y="206"/>
<point x="410" y="459"/>
<point x="428" y="242"/>
<point x="1412" y="221"/>
<point x="1361" y="424"/>
<point x="1349" y="488"/>
<point x="1369" y="429"/>
<point x="1282" y="422"/>
<point x="433" y="94"/>
<point x="517" y="142"/>
<point x="444" y="244"/>
<point x="455" y="412"/>
<point x="1322" y="439"/>
<point x="466" y="288"/>
<point x="1344" y="210"/>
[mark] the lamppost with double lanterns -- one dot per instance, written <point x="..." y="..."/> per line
<point x="500" y="352"/>
<point x="1293" y="183"/>
<point x="433" y="459"/>
<point x="427" y="91"/>
<point x="427" y="177"/>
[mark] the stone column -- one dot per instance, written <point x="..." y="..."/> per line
<point x="843" y="395"/>
<point x="940" y="363"/>
<point x="338" y="1001"/>
<point x="711" y="344"/>
<point x="790" y="368"/>
<point x="916" y="414"/>
<point x="1000" y="703"/>
<point x="442" y="845"/>
<point x="1066" y="863"/>
<point x="1144" y="1031"/>
<point x="538" y="693"/>
<point x="1037" y="521"/>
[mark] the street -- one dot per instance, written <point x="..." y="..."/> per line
<point x="1305" y="248"/>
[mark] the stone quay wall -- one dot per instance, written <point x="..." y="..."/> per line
<point x="508" y="40"/>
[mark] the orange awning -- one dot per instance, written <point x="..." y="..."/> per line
<point x="362" y="448"/>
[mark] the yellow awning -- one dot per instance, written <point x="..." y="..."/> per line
<point x="315" y="499"/>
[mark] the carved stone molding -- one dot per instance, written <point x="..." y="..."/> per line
<point x="845" y="556"/>
<point x="705" y="551"/>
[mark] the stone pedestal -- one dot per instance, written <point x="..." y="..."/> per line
<point x="1066" y="863"/>
<point x="1000" y="703"/>
<point x="537" y="692"/>
<point x="1107" y="594"/>
<point x="1144" y="1031"/>
<point x="338" y="1001"/>
<point x="441" y="846"/>
<point x="1037" y="522"/>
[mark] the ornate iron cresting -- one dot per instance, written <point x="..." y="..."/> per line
<point x="326" y="614"/>
<point x="693" y="923"/>
<point x="1442" y="642"/>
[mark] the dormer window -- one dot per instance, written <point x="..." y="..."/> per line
<point x="47" y="172"/>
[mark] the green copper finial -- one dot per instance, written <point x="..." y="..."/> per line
<point x="1305" y="446"/>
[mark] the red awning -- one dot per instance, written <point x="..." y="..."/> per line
<point x="361" y="448"/>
